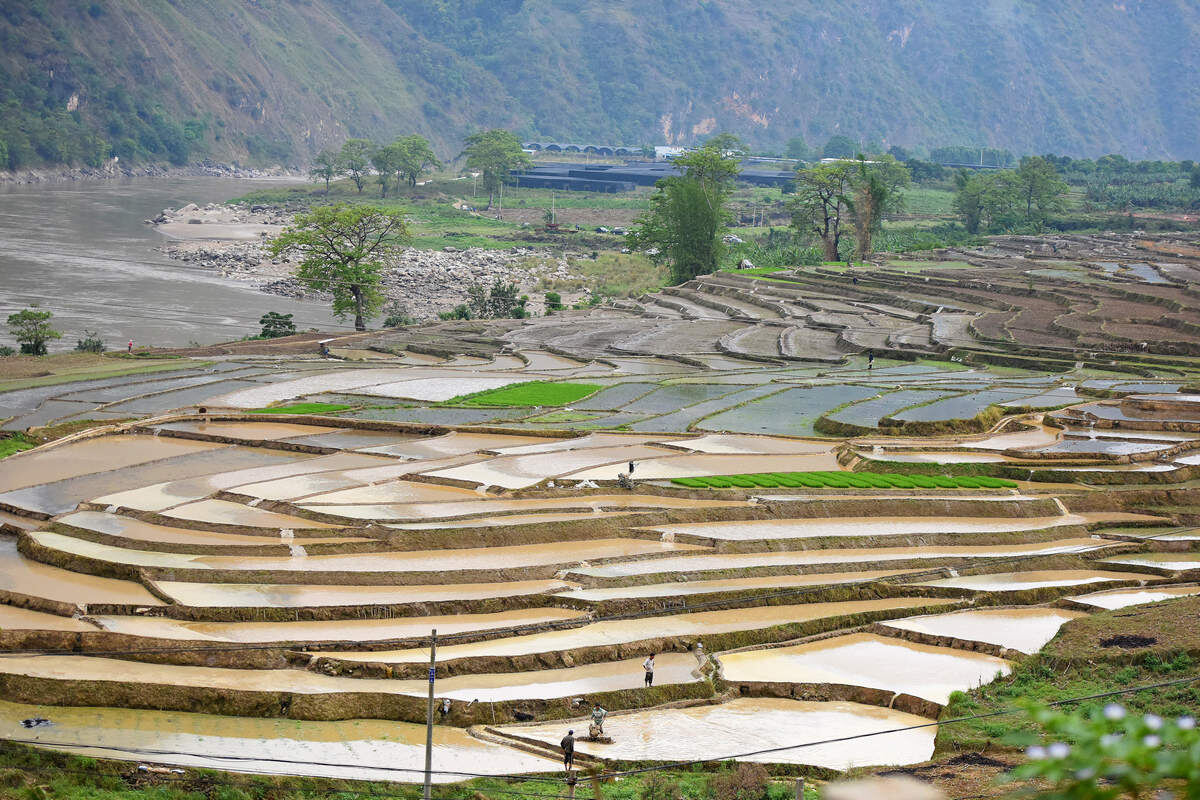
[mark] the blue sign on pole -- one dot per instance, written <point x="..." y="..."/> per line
<point x="431" y="671"/>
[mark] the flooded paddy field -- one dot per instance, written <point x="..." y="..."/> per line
<point x="875" y="662"/>
<point x="343" y="539"/>
<point x="1023" y="629"/>
<point x="746" y="725"/>
<point x="358" y="749"/>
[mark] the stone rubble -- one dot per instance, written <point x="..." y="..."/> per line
<point x="423" y="281"/>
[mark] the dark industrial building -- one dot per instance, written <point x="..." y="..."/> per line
<point x="625" y="177"/>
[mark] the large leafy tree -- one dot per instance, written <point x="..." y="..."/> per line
<point x="386" y="161"/>
<point x="355" y="160"/>
<point x="342" y="250"/>
<point x="32" y="330"/>
<point x="1040" y="187"/>
<point x="821" y="204"/>
<point x="688" y="214"/>
<point x="416" y="157"/>
<point x="325" y="167"/>
<point x="876" y="190"/>
<point x="494" y="154"/>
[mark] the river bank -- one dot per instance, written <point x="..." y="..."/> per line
<point x="112" y="171"/>
<point x="230" y="240"/>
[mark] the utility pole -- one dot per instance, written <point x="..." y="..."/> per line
<point x="429" y="717"/>
<point x="799" y="788"/>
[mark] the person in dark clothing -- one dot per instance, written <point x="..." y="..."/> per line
<point x="870" y="359"/>
<point x="631" y="466"/>
<point x="568" y="747"/>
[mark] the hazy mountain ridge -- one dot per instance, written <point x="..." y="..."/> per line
<point x="277" y="79"/>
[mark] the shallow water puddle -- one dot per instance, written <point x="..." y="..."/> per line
<point x="423" y="511"/>
<point x="1120" y="598"/>
<point x="517" y="472"/>
<point x="751" y="724"/>
<point x="858" y="526"/>
<point x="13" y="618"/>
<point x="92" y="455"/>
<point x="1175" y="562"/>
<point x="682" y="588"/>
<point x="1033" y="579"/>
<point x="670" y="668"/>
<point x="391" y="492"/>
<point x="864" y="555"/>
<point x="699" y="624"/>
<point x="223" y="512"/>
<point x="282" y="595"/>
<point x="250" y="431"/>
<point x="129" y="528"/>
<point x="509" y="557"/>
<point x="458" y="443"/>
<point x="354" y="749"/>
<point x="21" y="575"/>
<point x="361" y="630"/>
<point x="1024" y="629"/>
<point x="864" y="659"/>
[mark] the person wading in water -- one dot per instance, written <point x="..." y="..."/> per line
<point x="648" y="665"/>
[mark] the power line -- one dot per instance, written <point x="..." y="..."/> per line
<point x="624" y="773"/>
<point x="146" y="751"/>
<point x="931" y="724"/>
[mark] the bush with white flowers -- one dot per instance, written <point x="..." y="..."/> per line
<point x="1112" y="753"/>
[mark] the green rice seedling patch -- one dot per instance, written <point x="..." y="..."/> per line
<point x="304" y="408"/>
<point x="530" y="393"/>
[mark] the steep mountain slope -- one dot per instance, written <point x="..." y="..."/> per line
<point x="276" y="79"/>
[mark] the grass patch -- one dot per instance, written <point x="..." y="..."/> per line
<point x="611" y="275"/>
<point x="1075" y="664"/>
<point x="843" y="480"/>
<point x="303" y="408"/>
<point x="531" y="393"/>
<point x="15" y="444"/>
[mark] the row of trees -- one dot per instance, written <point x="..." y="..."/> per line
<point x="492" y="154"/>
<point x="1008" y="198"/>
<point x="406" y="159"/>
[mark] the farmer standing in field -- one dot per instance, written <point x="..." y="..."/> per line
<point x="568" y="747"/>
<point x="648" y="665"/>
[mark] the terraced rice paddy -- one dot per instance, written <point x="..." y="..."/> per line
<point x="292" y="568"/>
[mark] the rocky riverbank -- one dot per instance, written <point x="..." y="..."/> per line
<point x="114" y="169"/>
<point x="231" y="240"/>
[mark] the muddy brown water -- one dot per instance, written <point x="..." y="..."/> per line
<point x="360" y="630"/>
<point x="866" y="555"/>
<point x="19" y="574"/>
<point x="278" y="595"/>
<point x="92" y="455"/>
<point x="158" y="496"/>
<point x="508" y="557"/>
<point x="1034" y="579"/>
<point x="227" y="513"/>
<point x="91" y="236"/>
<point x="864" y="659"/>
<point x="874" y="526"/>
<point x="1023" y="629"/>
<point x="753" y="724"/>
<point x="670" y="668"/>
<point x="1121" y="598"/>
<point x="698" y="624"/>
<point x="354" y="749"/>
<point x="1176" y="562"/>
<point x="129" y="528"/>
<point x="13" y="618"/>
<point x="682" y="588"/>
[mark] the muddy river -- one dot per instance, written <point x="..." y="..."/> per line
<point x="90" y="236"/>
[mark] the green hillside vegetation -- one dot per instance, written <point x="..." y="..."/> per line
<point x="277" y="81"/>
